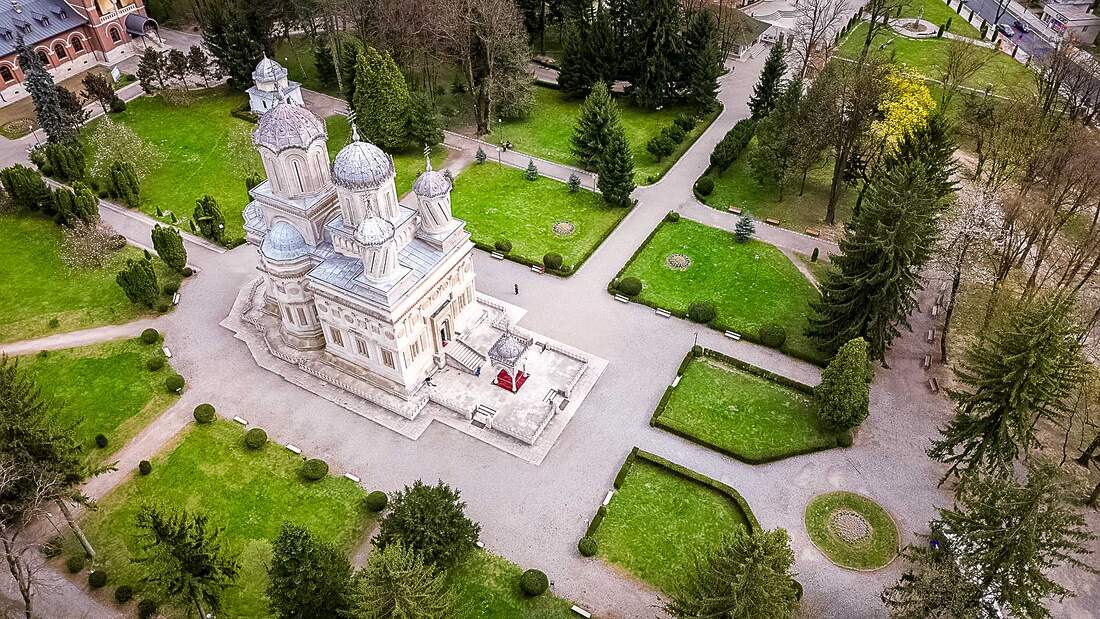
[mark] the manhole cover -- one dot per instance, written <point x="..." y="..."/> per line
<point x="678" y="262"/>
<point x="850" y="526"/>
<point x="564" y="228"/>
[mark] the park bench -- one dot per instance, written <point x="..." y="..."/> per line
<point x="294" y="448"/>
<point x="663" y="313"/>
<point x="934" y="384"/>
<point x="497" y="255"/>
<point x="537" y="269"/>
<point x="771" y="221"/>
<point x="621" y="299"/>
<point x="732" y="335"/>
<point x="734" y="210"/>
<point x="931" y="335"/>
<point x="812" y="232"/>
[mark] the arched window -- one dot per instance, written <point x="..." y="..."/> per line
<point x="6" y="74"/>
<point x="116" y="36"/>
<point x="42" y="57"/>
<point x="59" y="51"/>
<point x="298" y="176"/>
<point x="78" y="45"/>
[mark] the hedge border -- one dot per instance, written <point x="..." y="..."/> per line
<point x="714" y="324"/>
<point x="686" y="145"/>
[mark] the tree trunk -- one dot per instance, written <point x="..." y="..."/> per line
<point x="76" y="529"/>
<point x="956" y="281"/>
<point x="834" y="189"/>
<point x="21" y="574"/>
<point x="1086" y="455"/>
<point x="1094" y="497"/>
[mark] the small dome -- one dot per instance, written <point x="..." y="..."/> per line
<point x="267" y="70"/>
<point x="374" y="232"/>
<point x="361" y="165"/>
<point x="284" y="242"/>
<point x="288" y="126"/>
<point x="431" y="184"/>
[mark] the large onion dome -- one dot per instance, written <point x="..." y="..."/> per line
<point x="361" y="165"/>
<point x="288" y="126"/>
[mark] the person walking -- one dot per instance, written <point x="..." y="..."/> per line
<point x="517" y="289"/>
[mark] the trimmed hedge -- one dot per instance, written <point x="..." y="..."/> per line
<point x="533" y="583"/>
<point x="150" y="336"/>
<point x="588" y="546"/>
<point x="376" y="501"/>
<point x="732" y="144"/>
<point x="97" y="579"/>
<point x="314" y="469"/>
<point x="145" y="467"/>
<point x="174" y="383"/>
<point x="672" y="217"/>
<point x="630" y="286"/>
<point x="773" y="335"/>
<point x="504" y="246"/>
<point x="204" y="413"/>
<point x="552" y="261"/>
<point x="154" y="363"/>
<point x="705" y="186"/>
<point x="74" y="563"/>
<point x="845" y="439"/>
<point x="702" y="312"/>
<point x="255" y="438"/>
<point x="124" y="593"/>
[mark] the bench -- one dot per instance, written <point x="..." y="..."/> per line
<point x="240" y="420"/>
<point x="676" y="381"/>
<point x="927" y="361"/>
<point x="734" y="210"/>
<point x="176" y="299"/>
<point x="933" y="384"/>
<point x="294" y="448"/>
<point x="935" y="310"/>
<point x="771" y="221"/>
<point x="537" y="269"/>
<point x="812" y="232"/>
<point x="577" y="610"/>
<point x="354" y="478"/>
<point x="931" y="335"/>
<point x="607" y="498"/>
<point x="497" y="255"/>
<point x="621" y="299"/>
<point x="663" y="313"/>
<point x="166" y="351"/>
<point x="732" y="335"/>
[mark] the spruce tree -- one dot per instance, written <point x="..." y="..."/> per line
<point x="169" y="246"/>
<point x="532" y="172"/>
<point x="933" y="586"/>
<point x="381" y="100"/>
<point x="398" y="582"/>
<point x="1021" y="370"/>
<point x="52" y="118"/>
<point x="598" y="120"/>
<point x="25" y="188"/>
<point x="237" y="33"/>
<point x="423" y="127"/>
<point x="744" y="229"/>
<point x="322" y="60"/>
<point x="702" y="62"/>
<point x="658" y="63"/>
<point x="577" y="73"/>
<point x="124" y="184"/>
<point x="350" y="48"/>
<point x="139" y="281"/>
<point x="64" y="204"/>
<point x="843" y="398"/>
<point x="766" y="92"/>
<point x="307" y="577"/>
<point x="616" y="170"/>
<point x="778" y="135"/>
<point x="208" y="219"/>
<point x="87" y="203"/>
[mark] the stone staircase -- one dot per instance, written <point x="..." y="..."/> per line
<point x="463" y="356"/>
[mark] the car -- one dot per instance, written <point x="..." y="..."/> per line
<point x="1021" y="26"/>
<point x="1006" y="30"/>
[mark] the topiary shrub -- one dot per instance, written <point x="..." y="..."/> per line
<point x="117" y="105"/>
<point x="697" y="351"/>
<point x="255" y="438"/>
<point x="702" y="312"/>
<point x="54" y="323"/>
<point x="174" y="383"/>
<point x="154" y="363"/>
<point x="100" y="441"/>
<point x="705" y="186"/>
<point x="503" y="246"/>
<point x="376" y="501"/>
<point x="150" y="336"/>
<point x="672" y="217"/>
<point x="552" y="261"/>
<point x="204" y="413"/>
<point x="314" y="469"/>
<point x="630" y="286"/>
<point x="147" y="609"/>
<point x="187" y="272"/>
<point x="74" y="564"/>
<point x="124" y="593"/>
<point x="773" y="335"/>
<point x="588" y="546"/>
<point x="162" y="308"/>
<point x="97" y="579"/>
<point x="145" y="467"/>
<point x="534" y="582"/>
<point x="845" y="439"/>
<point x="171" y="288"/>
<point x="815" y="254"/>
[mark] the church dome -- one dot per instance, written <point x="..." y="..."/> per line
<point x="374" y="232"/>
<point x="267" y="70"/>
<point x="288" y="126"/>
<point x="431" y="184"/>
<point x="284" y="242"/>
<point x="361" y="165"/>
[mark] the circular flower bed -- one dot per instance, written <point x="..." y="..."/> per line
<point x="852" y="530"/>
<point x="564" y="228"/>
<point x="678" y="262"/>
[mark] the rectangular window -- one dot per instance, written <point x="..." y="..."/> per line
<point x="337" y="337"/>
<point x="302" y="316"/>
<point x="289" y="316"/>
<point x="387" y="358"/>
<point x="414" y="350"/>
<point x="361" y="347"/>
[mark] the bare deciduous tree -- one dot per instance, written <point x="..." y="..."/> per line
<point x="877" y="15"/>
<point x="815" y="26"/>
<point x="962" y="61"/>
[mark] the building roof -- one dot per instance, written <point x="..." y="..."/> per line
<point x="361" y="165"/>
<point x="508" y="349"/>
<point x="288" y="126"/>
<point x="431" y="184"/>
<point x="284" y="242"/>
<point x="374" y="232"/>
<point x="267" y="70"/>
<point x="45" y="19"/>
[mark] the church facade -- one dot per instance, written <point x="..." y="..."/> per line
<point x="377" y="287"/>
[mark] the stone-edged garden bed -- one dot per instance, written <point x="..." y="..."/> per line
<point x="852" y="531"/>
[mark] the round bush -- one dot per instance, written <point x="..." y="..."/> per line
<point x="150" y="336"/>
<point x="187" y="272"/>
<point x="162" y="308"/>
<point x="845" y="439"/>
<point x="697" y="351"/>
<point x="54" y="323"/>
<point x="174" y="383"/>
<point x="534" y="582"/>
<point x="630" y="286"/>
<point x="74" y="564"/>
<point x="255" y="438"/>
<point x="797" y="590"/>
<point x="97" y="578"/>
<point x="705" y="186"/>
<point x="171" y="288"/>
<point x="773" y="335"/>
<point x="552" y="261"/>
<point x="703" y="312"/>
<point x="314" y="469"/>
<point x="204" y="413"/>
<point x="154" y="363"/>
<point x="100" y="441"/>
<point x="503" y="246"/>
<point x="672" y="217"/>
<point x="376" y="501"/>
<point x="145" y="467"/>
<point x="147" y="609"/>
<point x="588" y="546"/>
<point x="124" y="593"/>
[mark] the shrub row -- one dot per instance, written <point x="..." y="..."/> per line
<point x="732" y="144"/>
<point x="564" y="271"/>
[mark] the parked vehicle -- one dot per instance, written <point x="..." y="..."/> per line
<point x="1021" y="26"/>
<point x="1006" y="30"/>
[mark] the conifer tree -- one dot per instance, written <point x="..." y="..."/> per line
<point x="208" y="219"/>
<point x="532" y="172"/>
<point x="322" y="60"/>
<point x="659" y="41"/>
<point x="397" y="582"/>
<point x="237" y="33"/>
<point x="124" y="184"/>
<point x="598" y="120"/>
<point x="307" y="577"/>
<point x="52" y="117"/>
<point x="350" y="48"/>
<point x="1021" y="370"/>
<point x="766" y="92"/>
<point x="139" y="281"/>
<point x="702" y="62"/>
<point x="423" y="125"/>
<point x="152" y="71"/>
<point x="169" y="246"/>
<point x="25" y="188"/>
<point x="64" y="204"/>
<point x="381" y="100"/>
<point x="745" y="228"/>
<point x="843" y="398"/>
<point x="616" y="170"/>
<point x="87" y="203"/>
<point x="778" y="136"/>
<point x="933" y="586"/>
<point x="577" y="73"/>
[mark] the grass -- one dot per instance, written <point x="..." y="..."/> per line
<point x="103" y="389"/>
<point x="548" y="130"/>
<point x="486" y="586"/>
<point x="203" y="150"/>
<point x="657" y="522"/>
<point x="750" y="284"/>
<point x="928" y="56"/>
<point x="296" y="55"/>
<point x="752" y="417"/>
<point x="937" y="12"/>
<point x="737" y="187"/>
<point x="407" y="164"/>
<point x="498" y="202"/>
<point x="249" y="493"/>
<point x="36" y="287"/>
<point x="872" y="553"/>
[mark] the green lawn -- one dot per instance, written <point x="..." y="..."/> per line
<point x="870" y="553"/>
<point x="103" y="389"/>
<point x="203" y="150"/>
<point x="736" y="187"/>
<point x="547" y="132"/>
<point x="36" y="287"/>
<point x="658" y="522"/>
<point x="937" y="12"/>
<point x="407" y="164"/>
<point x="486" y="586"/>
<point x="928" y="56"/>
<point x="249" y="493"/>
<point x="296" y="55"/>
<point x="750" y="284"/>
<point x="498" y="202"/>
<point x="752" y="417"/>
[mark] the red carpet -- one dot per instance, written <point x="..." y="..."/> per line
<point x="504" y="381"/>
